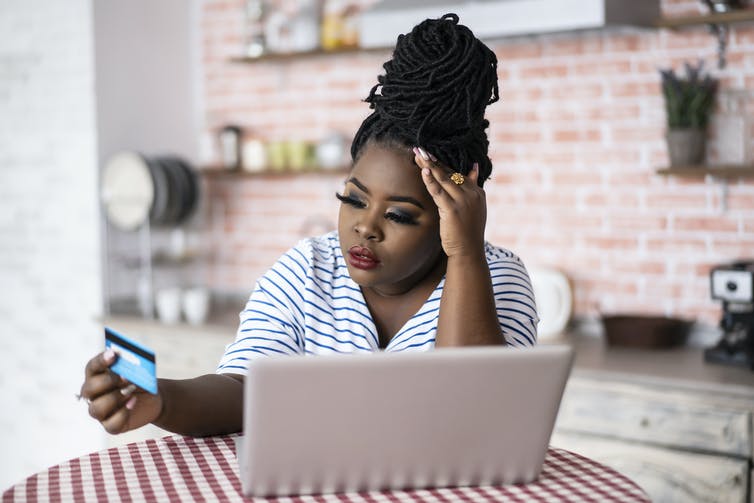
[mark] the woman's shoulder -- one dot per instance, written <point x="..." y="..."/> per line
<point x="499" y="254"/>
<point x="317" y="250"/>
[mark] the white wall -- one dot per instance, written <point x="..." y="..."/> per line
<point x="78" y="81"/>
<point x="50" y="293"/>
<point x="147" y="72"/>
<point x="147" y="60"/>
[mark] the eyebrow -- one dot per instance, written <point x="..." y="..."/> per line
<point x="399" y="199"/>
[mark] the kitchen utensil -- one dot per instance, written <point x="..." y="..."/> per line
<point x="554" y="299"/>
<point x="127" y="190"/>
<point x="277" y="156"/>
<point x="196" y="303"/>
<point x="642" y="331"/>
<point x="137" y="188"/>
<point x="230" y="146"/>
<point x="734" y="285"/>
<point x="168" y="301"/>
<point x="254" y="156"/>
<point x="330" y="151"/>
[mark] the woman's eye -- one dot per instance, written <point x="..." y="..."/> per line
<point x="350" y="200"/>
<point x="400" y="218"/>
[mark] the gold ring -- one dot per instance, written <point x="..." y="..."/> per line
<point x="457" y="178"/>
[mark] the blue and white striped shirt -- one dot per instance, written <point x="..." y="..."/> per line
<point x="308" y="304"/>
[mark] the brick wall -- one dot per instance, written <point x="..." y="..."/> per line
<point x="50" y="292"/>
<point x="575" y="142"/>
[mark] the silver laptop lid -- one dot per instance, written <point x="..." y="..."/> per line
<point x="448" y="417"/>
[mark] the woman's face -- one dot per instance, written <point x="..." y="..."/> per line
<point x="388" y="224"/>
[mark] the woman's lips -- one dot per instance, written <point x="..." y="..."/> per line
<point x="362" y="258"/>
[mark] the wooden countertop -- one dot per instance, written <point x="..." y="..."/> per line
<point x="685" y="366"/>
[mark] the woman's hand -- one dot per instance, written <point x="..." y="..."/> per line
<point x="462" y="208"/>
<point x="113" y="401"/>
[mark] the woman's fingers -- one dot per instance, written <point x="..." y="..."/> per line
<point x="440" y="174"/>
<point x="117" y="422"/>
<point x="432" y="177"/>
<point x="99" y="384"/>
<point x="473" y="176"/>
<point x="98" y="378"/>
<point x="460" y="202"/>
<point x="105" y="405"/>
<point x="439" y="194"/>
<point x="113" y="400"/>
<point x="100" y="363"/>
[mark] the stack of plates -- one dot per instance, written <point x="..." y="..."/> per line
<point x="137" y="188"/>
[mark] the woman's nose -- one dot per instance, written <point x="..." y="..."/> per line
<point x="368" y="227"/>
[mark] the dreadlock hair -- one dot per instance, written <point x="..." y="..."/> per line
<point x="433" y="95"/>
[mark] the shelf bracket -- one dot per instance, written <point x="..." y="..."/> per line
<point x="720" y="31"/>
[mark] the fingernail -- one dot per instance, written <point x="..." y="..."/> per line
<point x="109" y="355"/>
<point x="128" y="390"/>
<point x="131" y="403"/>
<point x="434" y="159"/>
<point x="416" y="151"/>
<point x="423" y="154"/>
<point x="425" y="171"/>
<point x="475" y="167"/>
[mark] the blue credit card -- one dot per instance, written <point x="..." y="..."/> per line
<point x="135" y="363"/>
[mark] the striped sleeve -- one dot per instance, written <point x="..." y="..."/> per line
<point x="514" y="299"/>
<point x="272" y="321"/>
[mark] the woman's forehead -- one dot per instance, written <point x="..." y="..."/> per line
<point x="388" y="170"/>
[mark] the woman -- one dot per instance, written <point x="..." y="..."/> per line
<point x="408" y="268"/>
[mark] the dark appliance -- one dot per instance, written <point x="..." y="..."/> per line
<point x="734" y="285"/>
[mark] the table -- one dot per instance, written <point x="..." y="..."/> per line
<point x="177" y="468"/>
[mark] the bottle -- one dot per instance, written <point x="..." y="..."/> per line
<point x="254" y="45"/>
<point x="331" y="33"/>
<point x="349" y="36"/>
<point x="230" y="147"/>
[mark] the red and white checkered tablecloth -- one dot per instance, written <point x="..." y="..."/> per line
<point x="205" y="469"/>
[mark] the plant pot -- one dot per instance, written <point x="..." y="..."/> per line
<point x="686" y="147"/>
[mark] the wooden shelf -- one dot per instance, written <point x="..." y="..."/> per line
<point x="289" y="56"/>
<point x="213" y="172"/>
<point x="721" y="171"/>
<point x="735" y="16"/>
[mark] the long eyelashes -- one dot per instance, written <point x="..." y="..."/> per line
<point x="400" y="218"/>
<point x="351" y="201"/>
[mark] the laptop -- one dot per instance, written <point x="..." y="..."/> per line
<point x="447" y="417"/>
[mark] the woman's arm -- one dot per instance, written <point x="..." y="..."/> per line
<point x="467" y="306"/>
<point x="207" y="405"/>
<point x="211" y="404"/>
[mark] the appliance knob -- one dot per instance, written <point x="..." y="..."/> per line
<point x="732" y="286"/>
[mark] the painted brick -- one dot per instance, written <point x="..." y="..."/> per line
<point x="710" y="224"/>
<point x="576" y="135"/>
<point x="564" y="45"/>
<point x="575" y="141"/>
<point x="733" y="248"/>
<point x="542" y="71"/>
<point x="675" y="245"/>
<point x="634" y="89"/>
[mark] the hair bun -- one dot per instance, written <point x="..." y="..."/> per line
<point x="434" y="93"/>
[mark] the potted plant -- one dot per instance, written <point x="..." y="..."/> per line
<point x="689" y="101"/>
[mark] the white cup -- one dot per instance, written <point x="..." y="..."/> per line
<point x="168" y="302"/>
<point x="196" y="305"/>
